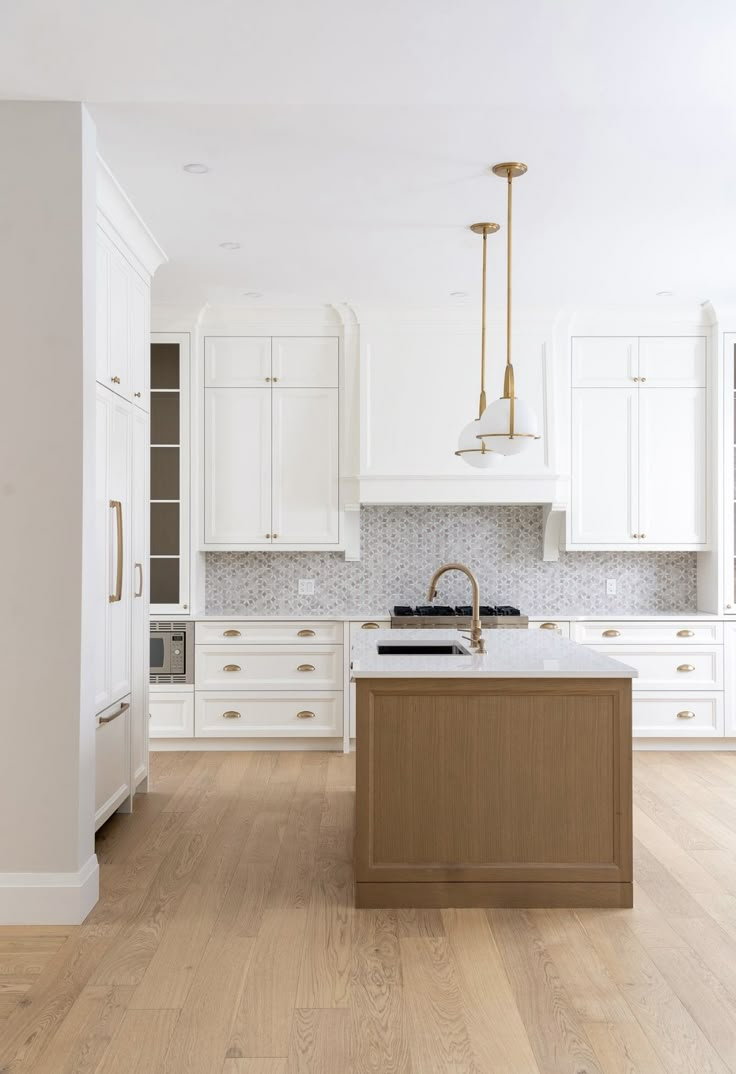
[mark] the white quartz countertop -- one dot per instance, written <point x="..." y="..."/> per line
<point x="512" y="654"/>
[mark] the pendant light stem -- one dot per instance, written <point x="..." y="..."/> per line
<point x="508" y="380"/>
<point x="482" y="402"/>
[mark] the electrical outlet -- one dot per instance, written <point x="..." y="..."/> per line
<point x="306" y="587"/>
<point x="611" y="587"/>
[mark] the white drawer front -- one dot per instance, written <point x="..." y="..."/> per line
<point x="112" y="759"/>
<point x="264" y="667"/>
<point x="679" y="715"/>
<point x="555" y="626"/>
<point x="268" y="715"/>
<point x="358" y="630"/>
<point x="671" y="669"/>
<point x="296" y="631"/>
<point x="651" y="632"/>
<point x="172" y="714"/>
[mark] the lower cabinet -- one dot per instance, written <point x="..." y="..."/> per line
<point x="268" y="715"/>
<point x="112" y="760"/>
<point x="172" y="713"/>
<point x="678" y="715"/>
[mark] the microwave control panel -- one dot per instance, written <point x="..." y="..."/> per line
<point x="177" y="654"/>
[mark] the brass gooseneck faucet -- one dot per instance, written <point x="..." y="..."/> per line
<point x="476" y="633"/>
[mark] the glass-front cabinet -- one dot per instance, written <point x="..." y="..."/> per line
<point x="169" y="565"/>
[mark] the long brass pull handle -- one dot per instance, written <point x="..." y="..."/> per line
<point x="686" y="633"/>
<point x="232" y="667"/>
<point x="306" y="667"/>
<point x="305" y="714"/>
<point x="686" y="667"/>
<point x="118" y="594"/>
<point x="231" y="714"/>
<point x="139" y="590"/>
<point x="685" y="715"/>
<point x="370" y="626"/>
<point x="108" y="719"/>
<point x="548" y="626"/>
<point x="306" y="633"/>
<point x="611" y="633"/>
<point x="231" y="633"/>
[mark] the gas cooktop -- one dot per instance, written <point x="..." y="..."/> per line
<point x="459" y="617"/>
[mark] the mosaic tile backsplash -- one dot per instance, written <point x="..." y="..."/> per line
<point x="402" y="546"/>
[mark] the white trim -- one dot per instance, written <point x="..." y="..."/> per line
<point x="120" y="213"/>
<point x="49" y="898"/>
<point x="246" y="745"/>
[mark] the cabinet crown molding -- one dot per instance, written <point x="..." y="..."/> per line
<point x="114" y="205"/>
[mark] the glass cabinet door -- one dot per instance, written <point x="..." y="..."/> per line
<point x="169" y="565"/>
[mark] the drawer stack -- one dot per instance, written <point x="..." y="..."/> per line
<point x="268" y="679"/>
<point x="679" y="692"/>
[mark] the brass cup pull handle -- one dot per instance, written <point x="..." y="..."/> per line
<point x="139" y="588"/>
<point x="117" y="507"/>
<point x="305" y="714"/>
<point x="231" y="714"/>
<point x="108" y="719"/>
<point x="306" y="633"/>
<point x="611" y="633"/>
<point x="306" y="667"/>
<point x="685" y="633"/>
<point x="686" y="667"/>
<point x="231" y="633"/>
<point x="232" y="667"/>
<point x="548" y="626"/>
<point x="370" y="626"/>
<point x="685" y="715"/>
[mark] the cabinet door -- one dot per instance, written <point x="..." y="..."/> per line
<point x="139" y="582"/>
<point x="604" y="361"/>
<point x="237" y="361"/>
<point x="305" y="362"/>
<point x="172" y="714"/>
<point x="118" y="520"/>
<point x="672" y="461"/>
<point x="119" y="347"/>
<point x="103" y="533"/>
<point x="102" y="311"/>
<point x="139" y="340"/>
<point x="604" y="475"/>
<point x="672" y="362"/>
<point x="112" y="760"/>
<point x="237" y="466"/>
<point x="305" y="466"/>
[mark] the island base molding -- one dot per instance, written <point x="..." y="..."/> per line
<point x="502" y="895"/>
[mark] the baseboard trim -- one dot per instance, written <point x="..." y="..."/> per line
<point x="49" y="898"/>
<point x="235" y="745"/>
<point x="437" y="895"/>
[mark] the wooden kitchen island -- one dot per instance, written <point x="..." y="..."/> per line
<point x="500" y="779"/>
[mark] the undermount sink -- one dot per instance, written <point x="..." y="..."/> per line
<point x="417" y="648"/>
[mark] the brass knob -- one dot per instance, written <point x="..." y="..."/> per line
<point x="686" y="667"/>
<point x="611" y="633"/>
<point x="306" y="667"/>
<point x="634" y="378"/>
<point x="231" y="715"/>
<point x="115" y="380"/>
<point x="305" y="714"/>
<point x="275" y="380"/>
<point x="642" y="379"/>
<point x="274" y="535"/>
<point x="231" y="633"/>
<point x="685" y="715"/>
<point x="685" y="633"/>
<point x="370" y="626"/>
<point x="268" y="379"/>
<point x="305" y="633"/>
<point x="232" y="667"/>
<point x="137" y="394"/>
<point x="548" y="626"/>
<point x="642" y="535"/>
<point x="269" y="535"/>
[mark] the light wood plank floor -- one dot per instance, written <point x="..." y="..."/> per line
<point x="225" y="942"/>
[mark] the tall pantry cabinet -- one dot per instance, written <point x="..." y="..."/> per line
<point x="127" y="256"/>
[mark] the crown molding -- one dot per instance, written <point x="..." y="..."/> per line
<point x="114" y="205"/>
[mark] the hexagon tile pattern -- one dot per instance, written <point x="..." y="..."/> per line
<point x="402" y="546"/>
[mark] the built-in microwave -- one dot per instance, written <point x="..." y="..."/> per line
<point x="172" y="652"/>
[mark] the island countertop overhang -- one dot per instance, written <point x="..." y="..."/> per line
<point x="512" y="654"/>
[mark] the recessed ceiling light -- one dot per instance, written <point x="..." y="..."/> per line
<point x="252" y="294"/>
<point x="196" y="169"/>
<point x="230" y="245"/>
<point x="665" y="294"/>
<point x="458" y="294"/>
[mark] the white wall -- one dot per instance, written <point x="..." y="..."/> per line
<point x="48" y="871"/>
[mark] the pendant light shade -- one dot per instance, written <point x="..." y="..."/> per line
<point x="469" y="448"/>
<point x="508" y="425"/>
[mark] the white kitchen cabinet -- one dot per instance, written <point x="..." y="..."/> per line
<point x="678" y="715"/>
<point x="139" y="580"/>
<point x="672" y="362"/>
<point x="604" y="361"/>
<point x="268" y="715"/>
<point x="172" y="713"/>
<point x="356" y="631"/>
<point x="268" y="667"/>
<point x="236" y="632"/>
<point x="305" y="362"/>
<point x="695" y="668"/>
<point x="305" y="479"/>
<point x="237" y="361"/>
<point x="122" y="328"/>
<point x="604" y="507"/>
<point x="237" y="464"/>
<point x="112" y="760"/>
<point x="139" y="339"/>
<point x="673" y="467"/>
<point x="558" y="626"/>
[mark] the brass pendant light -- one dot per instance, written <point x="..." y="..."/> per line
<point x="469" y="448"/>
<point x="508" y="425"/>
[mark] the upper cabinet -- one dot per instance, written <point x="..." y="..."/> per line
<point x="271" y="443"/>
<point x="122" y="333"/>
<point x="639" y="470"/>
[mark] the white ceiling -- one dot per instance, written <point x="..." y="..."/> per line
<point x="349" y="142"/>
